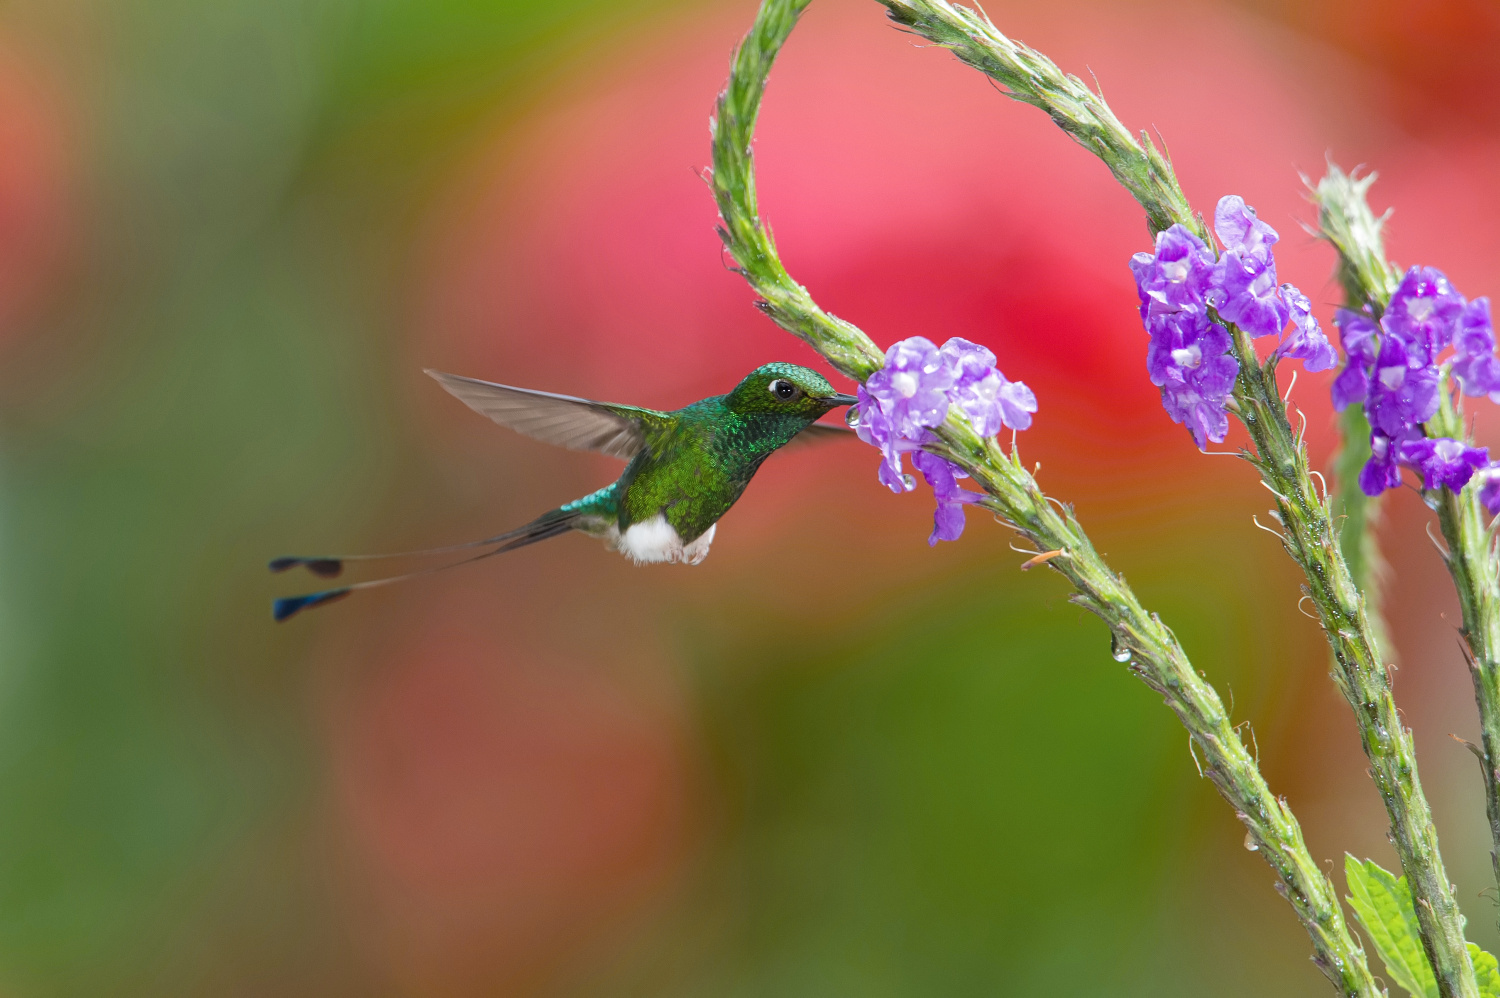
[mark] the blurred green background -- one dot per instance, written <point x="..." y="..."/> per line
<point x="830" y="760"/>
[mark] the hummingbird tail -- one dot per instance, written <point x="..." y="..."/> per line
<point x="289" y="605"/>
<point x="551" y="524"/>
<point x="330" y="566"/>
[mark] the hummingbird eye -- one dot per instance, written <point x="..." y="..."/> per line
<point x="784" y="390"/>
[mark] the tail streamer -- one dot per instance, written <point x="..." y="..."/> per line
<point x="548" y="525"/>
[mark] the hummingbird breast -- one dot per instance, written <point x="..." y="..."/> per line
<point x="688" y="480"/>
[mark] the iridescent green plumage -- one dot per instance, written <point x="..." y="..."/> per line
<point x="697" y="465"/>
<point x="687" y="467"/>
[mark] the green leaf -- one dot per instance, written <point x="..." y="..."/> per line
<point x="1383" y="905"/>
<point x="1487" y="969"/>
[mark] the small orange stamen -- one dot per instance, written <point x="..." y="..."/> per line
<point x="1041" y="559"/>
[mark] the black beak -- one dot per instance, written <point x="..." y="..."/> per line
<point x="841" y="400"/>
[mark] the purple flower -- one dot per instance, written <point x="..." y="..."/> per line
<point x="1439" y="460"/>
<point x="1424" y="311"/>
<point x="1475" y="333"/>
<point x="1204" y="417"/>
<point x="913" y="392"/>
<point x="1246" y="294"/>
<point x="1188" y="358"/>
<point x="1443" y="461"/>
<point x="1489" y="486"/>
<point x="1402" y="394"/>
<point x="1308" y="341"/>
<point x="1358" y="332"/>
<point x="876" y="428"/>
<point x="943" y="476"/>
<point x="1393" y="369"/>
<point x="1176" y="276"/>
<point x="1241" y="232"/>
<point x="1244" y="280"/>
<point x="912" y="387"/>
<point x="1017" y="403"/>
<point x="1380" y="472"/>
<point x="983" y="393"/>
<point x="1475" y="365"/>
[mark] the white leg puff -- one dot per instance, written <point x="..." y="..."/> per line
<point x="655" y="540"/>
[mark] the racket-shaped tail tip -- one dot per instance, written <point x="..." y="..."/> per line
<point x="326" y="568"/>
<point x="290" y="606"/>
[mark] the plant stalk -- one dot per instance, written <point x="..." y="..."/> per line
<point x="1369" y="279"/>
<point x="1279" y="455"/>
<point x="1364" y="276"/>
<point x="1137" y="637"/>
<point x="1361" y="518"/>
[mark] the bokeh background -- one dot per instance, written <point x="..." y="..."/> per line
<point x="829" y="761"/>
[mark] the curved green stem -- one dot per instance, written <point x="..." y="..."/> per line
<point x="1279" y="455"/>
<point x="1138" y="637"/>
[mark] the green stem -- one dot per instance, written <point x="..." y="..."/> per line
<point x="1138" y="637"/>
<point x="1369" y="279"/>
<point x="1361" y="517"/>
<point x="1363" y="276"/>
<point x="1279" y="455"/>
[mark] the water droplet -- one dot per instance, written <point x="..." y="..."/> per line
<point x="1118" y="650"/>
<point x="1250" y="843"/>
<point x="851" y="416"/>
<point x="909" y="481"/>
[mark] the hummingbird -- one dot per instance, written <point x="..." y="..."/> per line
<point x="685" y="468"/>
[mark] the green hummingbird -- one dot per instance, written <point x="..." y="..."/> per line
<point x="686" y="467"/>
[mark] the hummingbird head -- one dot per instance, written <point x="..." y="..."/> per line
<point x="786" y="390"/>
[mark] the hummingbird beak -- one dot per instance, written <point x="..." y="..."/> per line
<point x="839" y="399"/>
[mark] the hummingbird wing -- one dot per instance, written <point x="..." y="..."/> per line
<point x="578" y="424"/>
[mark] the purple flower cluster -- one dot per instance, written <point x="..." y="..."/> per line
<point x="1393" y="369"/>
<point x="1189" y="358"/>
<point x="913" y="392"/>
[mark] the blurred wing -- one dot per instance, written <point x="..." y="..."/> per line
<point x="578" y="424"/>
<point x="817" y="433"/>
